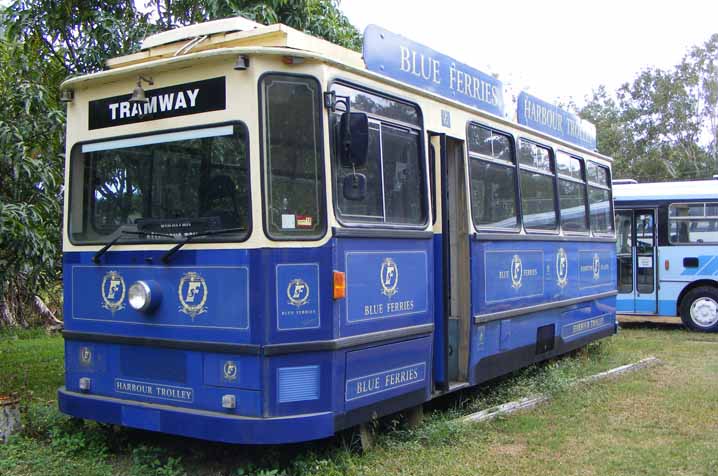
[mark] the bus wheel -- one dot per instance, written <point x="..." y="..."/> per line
<point x="699" y="309"/>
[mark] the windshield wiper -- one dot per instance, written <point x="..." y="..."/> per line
<point x="166" y="257"/>
<point x="123" y="233"/>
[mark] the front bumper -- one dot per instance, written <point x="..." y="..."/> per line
<point x="200" y="424"/>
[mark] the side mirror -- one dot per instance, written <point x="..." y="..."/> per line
<point x="354" y="186"/>
<point x="354" y="138"/>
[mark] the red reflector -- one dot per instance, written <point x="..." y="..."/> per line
<point x="667" y="264"/>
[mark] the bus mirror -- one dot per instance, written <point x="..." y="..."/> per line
<point x="354" y="138"/>
<point x="354" y="186"/>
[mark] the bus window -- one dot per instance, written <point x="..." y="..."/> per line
<point x="293" y="157"/>
<point x="394" y="170"/>
<point x="693" y="223"/>
<point x="538" y="193"/>
<point x="599" y="197"/>
<point x="493" y="177"/>
<point x="192" y="180"/>
<point x="572" y="193"/>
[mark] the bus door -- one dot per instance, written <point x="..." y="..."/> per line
<point x="454" y="312"/>
<point x="636" y="252"/>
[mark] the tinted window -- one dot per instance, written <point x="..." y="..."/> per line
<point x="395" y="176"/>
<point x="538" y="192"/>
<point x="534" y="156"/>
<point x="293" y="157"/>
<point x="493" y="201"/>
<point x="175" y="183"/>
<point x="490" y="144"/>
<point x="376" y="105"/>
<point x="693" y="223"/>
<point x="597" y="174"/>
<point x="600" y="204"/>
<point x="568" y="166"/>
<point x="572" y="197"/>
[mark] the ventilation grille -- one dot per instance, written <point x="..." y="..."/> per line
<point x="298" y="384"/>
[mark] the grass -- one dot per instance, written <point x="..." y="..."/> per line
<point x="660" y="421"/>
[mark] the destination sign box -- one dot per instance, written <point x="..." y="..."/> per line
<point x="399" y="58"/>
<point x="554" y="121"/>
<point x="162" y="103"/>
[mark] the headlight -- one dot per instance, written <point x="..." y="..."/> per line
<point x="143" y="296"/>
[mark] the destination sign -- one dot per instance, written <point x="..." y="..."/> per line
<point x="399" y="58"/>
<point x="162" y="103"/>
<point x="554" y="121"/>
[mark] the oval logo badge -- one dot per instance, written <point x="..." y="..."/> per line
<point x="517" y="272"/>
<point x="298" y="292"/>
<point x="113" y="292"/>
<point x="192" y="292"/>
<point x="562" y="267"/>
<point x="389" y="276"/>
<point x="596" y="266"/>
<point x="230" y="370"/>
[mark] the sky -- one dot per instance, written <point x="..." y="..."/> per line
<point x="554" y="49"/>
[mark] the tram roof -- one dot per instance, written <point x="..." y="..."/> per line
<point x="662" y="191"/>
<point x="235" y="36"/>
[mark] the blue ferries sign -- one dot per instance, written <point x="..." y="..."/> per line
<point x="554" y="121"/>
<point x="399" y="58"/>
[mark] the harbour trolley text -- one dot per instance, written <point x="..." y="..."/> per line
<point x="667" y="249"/>
<point x="269" y="238"/>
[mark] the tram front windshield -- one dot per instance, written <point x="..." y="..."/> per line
<point x="177" y="184"/>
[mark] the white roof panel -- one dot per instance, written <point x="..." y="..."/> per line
<point x="695" y="190"/>
<point x="226" y="25"/>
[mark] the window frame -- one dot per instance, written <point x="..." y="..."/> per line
<point x="264" y="177"/>
<point x="608" y="187"/>
<point x="586" y="202"/>
<point x="703" y="217"/>
<point x="76" y="150"/>
<point x="553" y="173"/>
<point x="515" y="230"/>
<point x="345" y="220"/>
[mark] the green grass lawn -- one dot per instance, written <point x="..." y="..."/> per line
<point x="662" y="420"/>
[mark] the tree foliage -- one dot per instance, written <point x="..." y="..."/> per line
<point x="664" y="124"/>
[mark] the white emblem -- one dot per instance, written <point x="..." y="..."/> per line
<point x="230" y="370"/>
<point x="192" y="293"/>
<point x="562" y="267"/>
<point x="389" y="277"/>
<point x="113" y="291"/>
<point x="298" y="292"/>
<point x="85" y="355"/>
<point x="596" y="266"/>
<point x="517" y="272"/>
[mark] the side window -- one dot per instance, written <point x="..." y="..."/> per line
<point x="492" y="170"/>
<point x="693" y="223"/>
<point x="599" y="197"/>
<point x="394" y="170"/>
<point x="538" y="193"/>
<point x="292" y="157"/>
<point x="572" y="193"/>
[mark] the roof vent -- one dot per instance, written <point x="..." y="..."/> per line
<point x="226" y="25"/>
<point x="627" y="181"/>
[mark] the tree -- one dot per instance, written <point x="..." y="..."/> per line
<point x="655" y="126"/>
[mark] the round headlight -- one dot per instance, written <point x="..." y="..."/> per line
<point x="141" y="297"/>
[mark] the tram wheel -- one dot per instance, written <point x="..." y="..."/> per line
<point x="699" y="309"/>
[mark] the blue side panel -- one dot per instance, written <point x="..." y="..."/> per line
<point x="624" y="303"/>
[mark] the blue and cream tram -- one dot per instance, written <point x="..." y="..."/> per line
<point x="667" y="251"/>
<point x="269" y="238"/>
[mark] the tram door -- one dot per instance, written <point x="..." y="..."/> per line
<point x="454" y="258"/>
<point x="636" y="251"/>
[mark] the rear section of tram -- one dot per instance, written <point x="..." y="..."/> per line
<point x="273" y="243"/>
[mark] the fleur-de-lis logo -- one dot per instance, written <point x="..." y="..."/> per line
<point x="517" y="272"/>
<point x="192" y="292"/>
<point x="298" y="292"/>
<point x="389" y="277"/>
<point x="113" y="292"/>
<point x="85" y="355"/>
<point x="596" y="266"/>
<point x="562" y="267"/>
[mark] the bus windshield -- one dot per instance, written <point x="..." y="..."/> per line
<point x="177" y="183"/>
